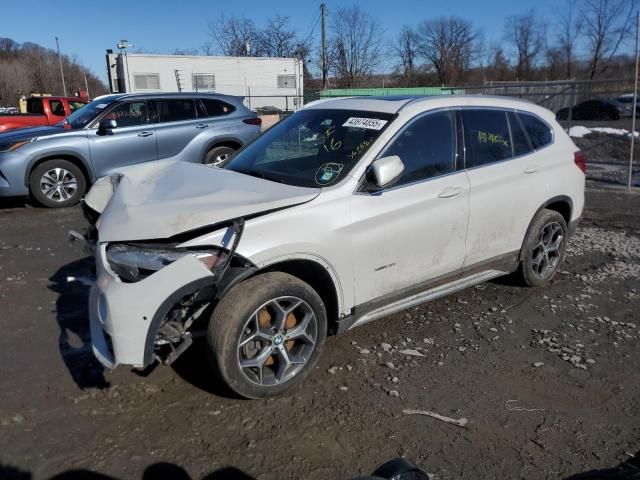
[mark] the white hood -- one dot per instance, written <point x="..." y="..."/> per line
<point x="161" y="199"/>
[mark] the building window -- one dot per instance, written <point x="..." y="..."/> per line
<point x="146" y="81"/>
<point x="203" y="81"/>
<point x="286" y="81"/>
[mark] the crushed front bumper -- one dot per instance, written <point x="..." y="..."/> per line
<point x="125" y="317"/>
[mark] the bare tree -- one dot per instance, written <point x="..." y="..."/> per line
<point x="449" y="45"/>
<point x="498" y="68"/>
<point x="569" y="29"/>
<point x="526" y="33"/>
<point x="606" y="25"/>
<point x="29" y="67"/>
<point x="278" y="39"/>
<point x="235" y="36"/>
<point x="406" y="48"/>
<point x="354" y="46"/>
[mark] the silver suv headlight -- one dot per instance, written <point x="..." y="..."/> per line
<point x="133" y="263"/>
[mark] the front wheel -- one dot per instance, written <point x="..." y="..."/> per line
<point x="57" y="183"/>
<point x="266" y="334"/>
<point x="543" y="248"/>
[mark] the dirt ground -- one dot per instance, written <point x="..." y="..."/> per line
<point x="548" y="379"/>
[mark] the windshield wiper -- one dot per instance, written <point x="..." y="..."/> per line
<point x="259" y="174"/>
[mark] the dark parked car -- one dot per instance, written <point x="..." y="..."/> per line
<point x="627" y="102"/>
<point x="593" y="110"/>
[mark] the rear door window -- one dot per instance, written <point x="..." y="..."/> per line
<point x="539" y="132"/>
<point x="216" y="108"/>
<point x="176" y="110"/>
<point x="487" y="137"/>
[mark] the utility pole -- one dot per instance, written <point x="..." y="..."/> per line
<point x="86" y="84"/>
<point x="323" y="10"/>
<point x="64" y="87"/>
<point x="635" y="103"/>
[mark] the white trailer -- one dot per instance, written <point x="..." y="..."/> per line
<point x="262" y="81"/>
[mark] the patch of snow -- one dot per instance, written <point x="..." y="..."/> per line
<point x="580" y="131"/>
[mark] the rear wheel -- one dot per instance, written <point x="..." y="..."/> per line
<point x="266" y="334"/>
<point x="217" y="155"/>
<point x="543" y="248"/>
<point x="57" y="183"/>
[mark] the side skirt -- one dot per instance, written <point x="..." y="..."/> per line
<point x="431" y="290"/>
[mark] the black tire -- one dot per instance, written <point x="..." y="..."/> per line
<point x="237" y="314"/>
<point x="543" y="230"/>
<point x="64" y="196"/>
<point x="218" y="155"/>
<point x="400" y="468"/>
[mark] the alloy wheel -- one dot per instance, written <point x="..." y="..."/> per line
<point x="277" y="341"/>
<point x="58" y="184"/>
<point x="548" y="251"/>
<point x="218" y="159"/>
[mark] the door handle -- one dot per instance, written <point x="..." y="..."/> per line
<point x="202" y="125"/>
<point x="531" y="169"/>
<point x="145" y="134"/>
<point x="450" y="192"/>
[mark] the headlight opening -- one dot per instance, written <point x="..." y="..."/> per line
<point x="132" y="263"/>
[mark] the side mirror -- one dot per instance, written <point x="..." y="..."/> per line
<point x="385" y="170"/>
<point x="105" y="126"/>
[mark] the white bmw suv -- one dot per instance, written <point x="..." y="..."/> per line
<point x="345" y="212"/>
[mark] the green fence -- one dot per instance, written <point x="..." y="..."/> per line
<point x="384" y="92"/>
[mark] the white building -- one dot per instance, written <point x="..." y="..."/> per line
<point x="262" y="81"/>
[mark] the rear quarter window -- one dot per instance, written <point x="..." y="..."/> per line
<point x="539" y="133"/>
<point x="216" y="108"/>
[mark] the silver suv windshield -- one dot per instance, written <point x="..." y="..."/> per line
<point x="311" y="148"/>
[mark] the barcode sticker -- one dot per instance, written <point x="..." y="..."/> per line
<point x="368" y="123"/>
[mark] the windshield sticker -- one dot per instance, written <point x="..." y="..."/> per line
<point x="368" y="123"/>
<point x="328" y="172"/>
<point x="329" y="143"/>
<point x="361" y="147"/>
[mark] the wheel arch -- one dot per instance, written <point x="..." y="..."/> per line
<point x="561" y="204"/>
<point x="317" y="274"/>
<point x="76" y="160"/>
<point x="230" y="142"/>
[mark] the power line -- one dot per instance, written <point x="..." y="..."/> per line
<point x="314" y="23"/>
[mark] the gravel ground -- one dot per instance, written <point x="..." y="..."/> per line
<point x="548" y="379"/>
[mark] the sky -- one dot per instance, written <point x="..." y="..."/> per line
<point x="87" y="29"/>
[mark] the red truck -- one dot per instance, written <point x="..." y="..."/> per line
<point x="41" y="111"/>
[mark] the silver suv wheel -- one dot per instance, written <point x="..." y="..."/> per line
<point x="58" y="184"/>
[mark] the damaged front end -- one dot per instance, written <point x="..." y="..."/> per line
<point x="151" y="299"/>
<point x="179" y="322"/>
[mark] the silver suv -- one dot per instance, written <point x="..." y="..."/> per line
<point x="55" y="165"/>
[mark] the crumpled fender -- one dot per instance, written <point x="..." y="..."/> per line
<point x="97" y="198"/>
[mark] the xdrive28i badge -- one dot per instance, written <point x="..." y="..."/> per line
<point x="328" y="173"/>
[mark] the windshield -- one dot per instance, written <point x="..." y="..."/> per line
<point x="311" y="148"/>
<point x="82" y="116"/>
